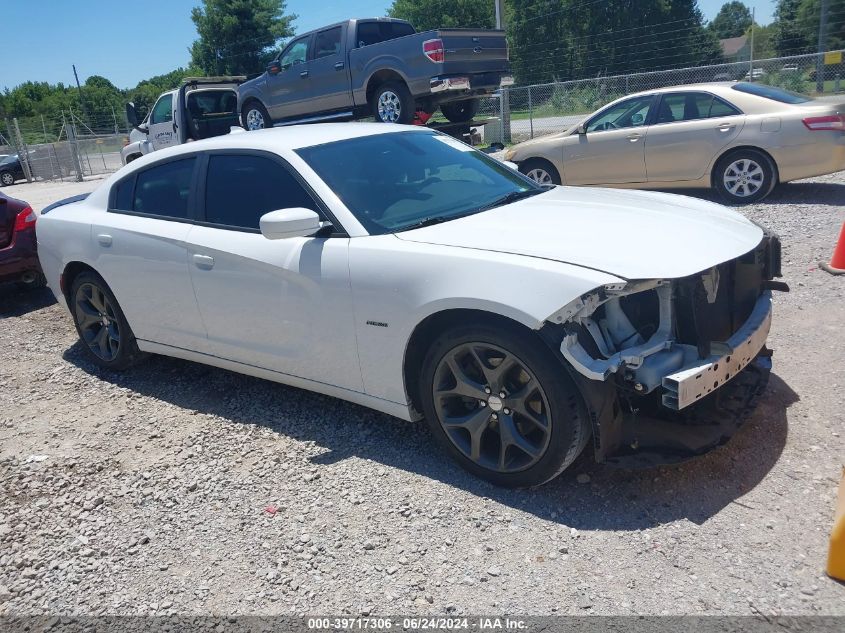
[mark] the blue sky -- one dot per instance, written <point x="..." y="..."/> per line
<point x="129" y="41"/>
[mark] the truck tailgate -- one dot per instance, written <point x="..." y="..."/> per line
<point x="474" y="50"/>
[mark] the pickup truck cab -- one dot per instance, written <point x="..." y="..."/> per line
<point x="201" y="107"/>
<point x="377" y="67"/>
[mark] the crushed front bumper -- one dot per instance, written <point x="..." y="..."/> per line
<point x="699" y="378"/>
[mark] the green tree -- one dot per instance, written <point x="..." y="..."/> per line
<point x="790" y="36"/>
<point x="763" y="44"/>
<point x="733" y="20"/>
<point x="434" y="14"/>
<point x="235" y="35"/>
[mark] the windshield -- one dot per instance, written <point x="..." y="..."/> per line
<point x="769" y="92"/>
<point x="396" y="181"/>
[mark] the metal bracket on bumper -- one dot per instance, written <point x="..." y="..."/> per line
<point x="691" y="383"/>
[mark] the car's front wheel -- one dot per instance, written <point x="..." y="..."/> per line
<point x="254" y="116"/>
<point x="502" y="405"/>
<point x="101" y="323"/>
<point x="7" y="178"/>
<point x="744" y="176"/>
<point x="540" y="171"/>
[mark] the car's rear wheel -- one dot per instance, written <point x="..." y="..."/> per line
<point x="7" y="178"/>
<point x="744" y="176"/>
<point x="540" y="171"/>
<point x="502" y="405"/>
<point x="393" y="103"/>
<point x="460" y="111"/>
<point x="254" y="116"/>
<point x="101" y="323"/>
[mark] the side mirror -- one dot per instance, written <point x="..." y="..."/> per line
<point x="284" y="223"/>
<point x="131" y="114"/>
<point x="582" y="129"/>
<point x="274" y="68"/>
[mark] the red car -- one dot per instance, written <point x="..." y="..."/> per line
<point x="18" y="248"/>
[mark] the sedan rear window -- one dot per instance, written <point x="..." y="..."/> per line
<point x="164" y="189"/>
<point x="770" y="92"/>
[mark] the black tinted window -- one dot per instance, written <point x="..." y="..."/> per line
<point x="368" y="33"/>
<point x="164" y="190"/>
<point x="240" y="189"/>
<point x="123" y="195"/>
<point x="398" y="29"/>
<point x="327" y="43"/>
<point x="375" y="32"/>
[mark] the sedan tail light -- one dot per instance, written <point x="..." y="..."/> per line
<point x="433" y="49"/>
<point x="834" y="122"/>
<point x="25" y="219"/>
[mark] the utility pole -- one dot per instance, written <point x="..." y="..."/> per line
<point x="505" y="101"/>
<point x="822" y="46"/>
<point x="79" y="88"/>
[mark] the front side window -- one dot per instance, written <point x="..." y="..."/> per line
<point x="296" y="53"/>
<point x="162" y="110"/>
<point x="327" y="43"/>
<point x="164" y="189"/>
<point x="625" y="114"/>
<point x="263" y="185"/>
<point x="413" y="178"/>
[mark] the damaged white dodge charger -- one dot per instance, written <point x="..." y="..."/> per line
<point x="402" y="270"/>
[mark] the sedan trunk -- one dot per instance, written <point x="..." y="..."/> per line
<point x="8" y="212"/>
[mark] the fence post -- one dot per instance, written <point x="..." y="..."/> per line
<point x="23" y="152"/>
<point x="530" y="114"/>
<point x="74" y="150"/>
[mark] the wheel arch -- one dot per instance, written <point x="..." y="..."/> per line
<point x="737" y="148"/>
<point x="429" y="328"/>
<point x="69" y="274"/>
<point x="380" y="77"/>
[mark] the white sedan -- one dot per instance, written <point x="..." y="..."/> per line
<point x="402" y="270"/>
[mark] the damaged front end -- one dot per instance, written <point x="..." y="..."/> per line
<point x="682" y="360"/>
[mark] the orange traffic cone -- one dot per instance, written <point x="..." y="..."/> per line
<point x="836" y="556"/>
<point x="837" y="262"/>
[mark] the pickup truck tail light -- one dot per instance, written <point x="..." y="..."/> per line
<point x="433" y="49"/>
<point x="25" y="219"/>
<point x="834" y="122"/>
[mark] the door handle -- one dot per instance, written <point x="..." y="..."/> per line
<point x="303" y="74"/>
<point x="725" y="128"/>
<point x="634" y="137"/>
<point x="104" y="239"/>
<point x="338" y="66"/>
<point x="204" y="261"/>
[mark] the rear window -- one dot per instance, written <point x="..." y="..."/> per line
<point x="770" y="92"/>
<point x="374" y="32"/>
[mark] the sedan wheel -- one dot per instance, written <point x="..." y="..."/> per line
<point x="540" y="176"/>
<point x="6" y="178"/>
<point x="101" y="323"/>
<point x="540" y="171"/>
<point x="744" y="177"/>
<point x="502" y="404"/>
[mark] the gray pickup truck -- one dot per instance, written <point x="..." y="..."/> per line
<point x="377" y="67"/>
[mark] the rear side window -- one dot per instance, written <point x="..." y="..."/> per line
<point x="692" y="106"/>
<point x="327" y="43"/>
<point x="123" y="195"/>
<point x="770" y="92"/>
<point x="722" y="108"/>
<point x="375" y="32"/>
<point x="164" y="190"/>
<point x="263" y="185"/>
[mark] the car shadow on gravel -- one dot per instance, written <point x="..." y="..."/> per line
<point x="818" y="193"/>
<point x="613" y="499"/>
<point x="16" y="299"/>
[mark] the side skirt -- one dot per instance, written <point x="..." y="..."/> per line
<point x="395" y="409"/>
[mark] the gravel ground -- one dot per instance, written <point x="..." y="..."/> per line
<point x="179" y="488"/>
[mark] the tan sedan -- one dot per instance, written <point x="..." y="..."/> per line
<point x="739" y="138"/>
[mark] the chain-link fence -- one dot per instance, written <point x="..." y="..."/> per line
<point x="554" y="107"/>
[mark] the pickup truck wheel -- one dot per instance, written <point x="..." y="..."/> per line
<point x="502" y="405"/>
<point x="460" y="111"/>
<point x="393" y="103"/>
<point x="101" y="323"/>
<point x="255" y="116"/>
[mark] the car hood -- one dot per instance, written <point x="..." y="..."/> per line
<point x="630" y="234"/>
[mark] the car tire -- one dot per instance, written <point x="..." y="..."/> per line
<point x="393" y="103"/>
<point x="526" y="437"/>
<point x="460" y="111"/>
<point x="254" y="116"/>
<point x="6" y="178"/>
<point x="540" y="171"/>
<point x="744" y="176"/>
<point x="101" y="324"/>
